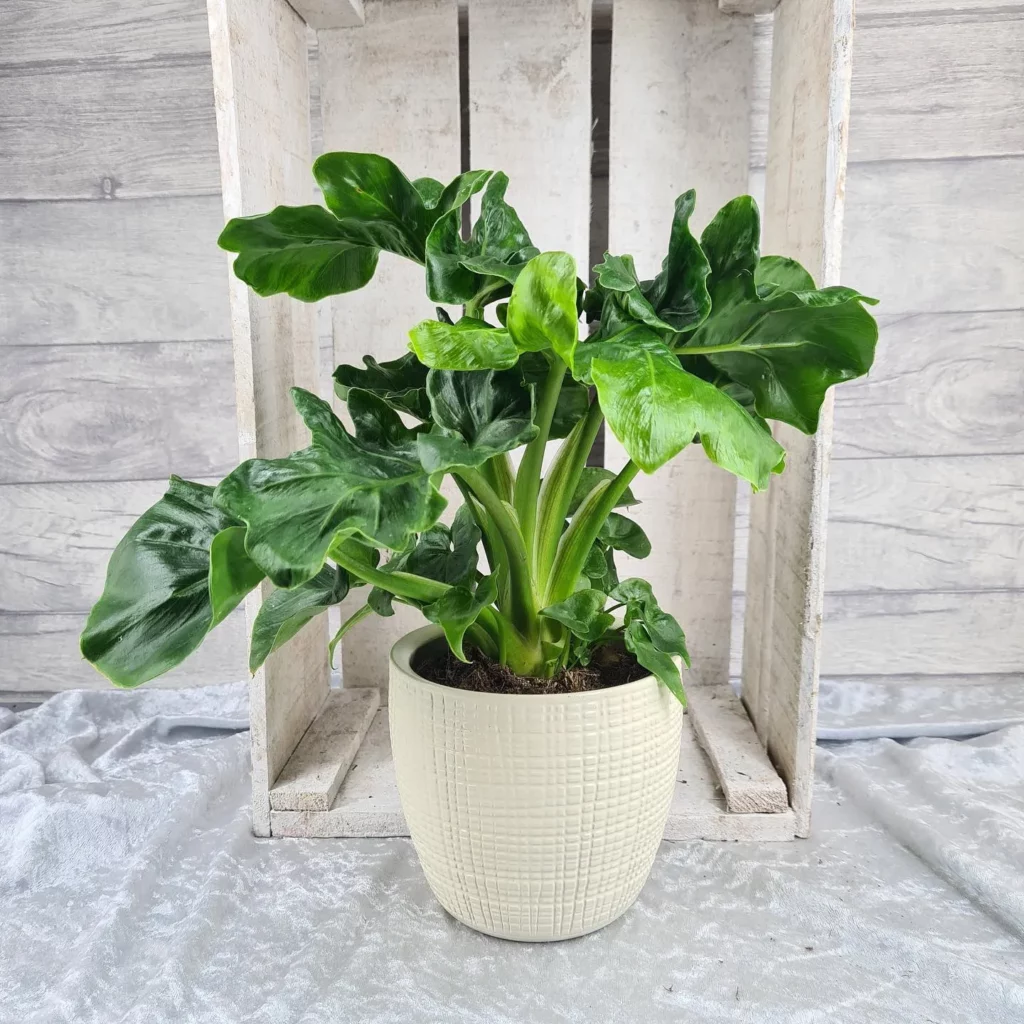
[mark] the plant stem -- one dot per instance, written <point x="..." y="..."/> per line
<point x="528" y="478"/>
<point x="473" y="309"/>
<point x="735" y="346"/>
<point x="401" y="584"/>
<point x="577" y="541"/>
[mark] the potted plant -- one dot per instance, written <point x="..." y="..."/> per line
<point x="536" y="721"/>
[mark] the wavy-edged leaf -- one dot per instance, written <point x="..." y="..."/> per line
<point x="155" y="608"/>
<point x="375" y="203"/>
<point x="477" y="414"/>
<point x="618" y="281"/>
<point x="371" y="484"/>
<point x="468" y="344"/>
<point x="655" y="408"/>
<point x="459" y="608"/>
<point x="301" y="250"/>
<point x="732" y="241"/>
<point x="780" y="274"/>
<point x="679" y="294"/>
<point x="542" y="309"/>
<point x="623" y="534"/>
<point x="583" y="614"/>
<point x="399" y="383"/>
<point x="232" y="573"/>
<point x="284" y="612"/>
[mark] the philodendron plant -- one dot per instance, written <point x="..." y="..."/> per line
<point x="718" y="343"/>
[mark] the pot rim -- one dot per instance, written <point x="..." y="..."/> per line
<point x="403" y="650"/>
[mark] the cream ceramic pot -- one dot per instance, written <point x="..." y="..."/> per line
<point x="535" y="817"/>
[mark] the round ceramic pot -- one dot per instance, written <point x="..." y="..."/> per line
<point x="535" y="817"/>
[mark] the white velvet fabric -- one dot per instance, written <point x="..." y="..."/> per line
<point x="132" y="891"/>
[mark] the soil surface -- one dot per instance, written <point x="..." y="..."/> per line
<point x="610" y="666"/>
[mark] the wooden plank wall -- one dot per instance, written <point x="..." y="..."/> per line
<point x="115" y="332"/>
<point x="113" y="310"/>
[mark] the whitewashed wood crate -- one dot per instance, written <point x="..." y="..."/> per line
<point x="682" y="100"/>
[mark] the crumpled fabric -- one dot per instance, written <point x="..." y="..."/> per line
<point x="131" y="890"/>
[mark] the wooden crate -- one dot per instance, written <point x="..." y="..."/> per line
<point x="391" y="79"/>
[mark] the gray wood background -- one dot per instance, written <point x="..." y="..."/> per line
<point x="117" y="364"/>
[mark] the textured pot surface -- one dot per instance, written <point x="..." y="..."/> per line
<point x="535" y="817"/>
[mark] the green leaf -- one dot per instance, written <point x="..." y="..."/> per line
<point x="589" y="479"/>
<point x="381" y="602"/>
<point x="467" y="345"/>
<point x="542" y="310"/>
<point x="303" y="251"/>
<point x="430" y="190"/>
<point x="376" y="204"/>
<point x="498" y="237"/>
<point x="458" y="609"/>
<point x="732" y="241"/>
<point x="657" y="662"/>
<point x="679" y="293"/>
<point x="617" y="278"/>
<point x="790" y="348"/>
<point x="371" y="484"/>
<point x="583" y="614"/>
<point x="477" y="414"/>
<point x="781" y="274"/>
<point x="623" y="534"/>
<point x="458" y="192"/>
<point x="399" y="383"/>
<point x="599" y="567"/>
<point x="655" y="408"/>
<point x="232" y="572"/>
<point x="155" y="608"/>
<point x="284" y="612"/>
<point x="442" y="553"/>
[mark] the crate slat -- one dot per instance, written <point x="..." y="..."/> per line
<point x="261" y="89"/>
<point x="808" y="123"/>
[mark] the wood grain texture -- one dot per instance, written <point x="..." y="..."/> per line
<point x="106" y="130"/>
<point x="40" y="654"/>
<point x="324" y="14"/>
<point x="261" y="90"/>
<point x="81" y="273"/>
<point x="116" y="412"/>
<point x="311" y="777"/>
<point x="942" y="384"/>
<point x="59" y="536"/>
<point x="671" y="63"/>
<point x="537" y="51"/>
<point x="749" y="7"/>
<point x="55" y="31"/>
<point x="808" y="115"/>
<point x="403" y="65"/>
<point x="953" y="228"/>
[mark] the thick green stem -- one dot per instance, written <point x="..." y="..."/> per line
<point x="523" y="610"/>
<point x="500" y="475"/>
<point x="560" y="484"/>
<point x="579" y="538"/>
<point x="401" y="584"/>
<point x="528" y="477"/>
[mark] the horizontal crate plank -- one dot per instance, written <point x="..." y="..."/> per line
<point x="942" y="384"/>
<point x="919" y="524"/>
<point x="40" y="653"/>
<point x="123" y="270"/>
<point x="117" y="412"/>
<point x="58" y="538"/>
<point x="368" y="805"/>
<point x="936" y="236"/>
<point x="38" y="31"/>
<point x="73" y="123"/>
<point x="311" y="777"/>
<point x="962" y="72"/>
<point x="938" y="10"/>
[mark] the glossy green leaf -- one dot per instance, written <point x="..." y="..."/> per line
<point x="732" y="241"/>
<point x="284" y="612"/>
<point x="542" y="310"/>
<point x="619" y="283"/>
<point x="458" y="609"/>
<point x="430" y="190"/>
<point x="371" y="484"/>
<point x="679" y="293"/>
<point x="655" y="408"/>
<point x="467" y="345"/>
<point x="583" y="614"/>
<point x="625" y="535"/>
<point x="303" y="251"/>
<point x="459" y="191"/>
<point x="375" y="203"/>
<point x="232" y="572"/>
<point x="399" y="383"/>
<point x="381" y="602"/>
<point x="657" y="662"/>
<point x="589" y="479"/>
<point x="443" y="553"/>
<point x="477" y="414"/>
<point x="155" y="608"/>
<point x="781" y="274"/>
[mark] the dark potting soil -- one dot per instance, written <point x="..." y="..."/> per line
<point x="610" y="666"/>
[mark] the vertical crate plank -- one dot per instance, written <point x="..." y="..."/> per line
<point x="806" y="163"/>
<point x="529" y="103"/>
<point x="391" y="87"/>
<point x="261" y="89"/>
<point x="680" y="119"/>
